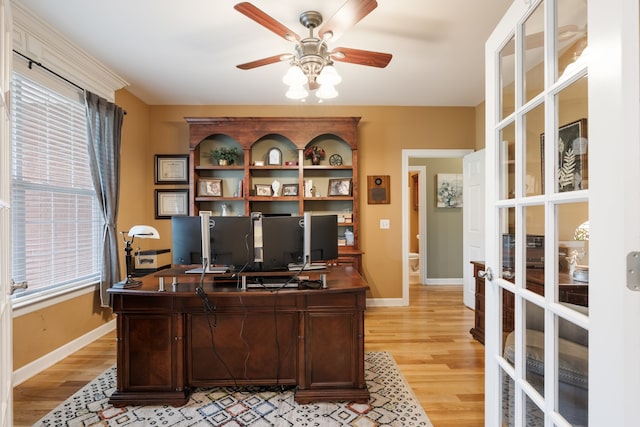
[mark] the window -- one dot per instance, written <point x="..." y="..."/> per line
<point x="56" y="224"/>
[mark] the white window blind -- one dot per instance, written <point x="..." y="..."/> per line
<point x="55" y="225"/>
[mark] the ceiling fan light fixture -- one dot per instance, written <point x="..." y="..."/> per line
<point x="296" y="92"/>
<point x="329" y="75"/>
<point x="294" y="76"/>
<point x="327" y="91"/>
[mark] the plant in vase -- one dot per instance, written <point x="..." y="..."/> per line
<point x="314" y="153"/>
<point x="224" y="155"/>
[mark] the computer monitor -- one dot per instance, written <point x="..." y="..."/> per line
<point x="282" y="239"/>
<point x="230" y="241"/>
<point x="186" y="243"/>
<point x="320" y="237"/>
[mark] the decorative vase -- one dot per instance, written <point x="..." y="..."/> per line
<point x="315" y="160"/>
<point x="223" y="162"/>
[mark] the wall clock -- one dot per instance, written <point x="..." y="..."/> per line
<point x="335" y="160"/>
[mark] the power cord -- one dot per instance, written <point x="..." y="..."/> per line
<point x="208" y="305"/>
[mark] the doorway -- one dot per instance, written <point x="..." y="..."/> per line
<point x="408" y="157"/>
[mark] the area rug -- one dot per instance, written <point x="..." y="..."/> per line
<point x="392" y="403"/>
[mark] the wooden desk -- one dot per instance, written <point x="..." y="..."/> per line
<point x="310" y="338"/>
<point x="570" y="291"/>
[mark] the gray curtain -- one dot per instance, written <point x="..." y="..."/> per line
<point x="104" y="125"/>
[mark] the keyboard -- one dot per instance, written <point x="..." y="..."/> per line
<point x="312" y="266"/>
<point x="215" y="270"/>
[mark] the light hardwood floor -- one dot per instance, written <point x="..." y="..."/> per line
<point x="429" y="340"/>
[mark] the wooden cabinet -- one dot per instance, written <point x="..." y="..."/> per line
<point x="246" y="185"/>
<point x="569" y="292"/>
<point x="477" y="331"/>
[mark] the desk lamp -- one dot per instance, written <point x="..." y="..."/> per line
<point x="142" y="232"/>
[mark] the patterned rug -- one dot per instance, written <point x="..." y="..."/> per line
<point x="392" y="403"/>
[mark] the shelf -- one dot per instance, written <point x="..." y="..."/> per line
<point x="327" y="167"/>
<point x="295" y="167"/>
<point x="328" y="199"/>
<point x="218" y="168"/>
<point x="256" y="137"/>
<point x="219" y="199"/>
<point x="273" y="199"/>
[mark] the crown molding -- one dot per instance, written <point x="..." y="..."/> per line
<point x="39" y="41"/>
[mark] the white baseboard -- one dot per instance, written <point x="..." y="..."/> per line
<point x="386" y="302"/>
<point x="459" y="281"/>
<point x="50" y="359"/>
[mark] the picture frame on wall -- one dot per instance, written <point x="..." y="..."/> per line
<point x="210" y="187"/>
<point x="171" y="203"/>
<point x="449" y="190"/>
<point x="572" y="170"/>
<point x="171" y="169"/>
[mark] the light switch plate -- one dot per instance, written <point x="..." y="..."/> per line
<point x="384" y="224"/>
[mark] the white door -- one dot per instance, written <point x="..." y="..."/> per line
<point x="562" y="159"/>
<point x="472" y="220"/>
<point x="6" y="341"/>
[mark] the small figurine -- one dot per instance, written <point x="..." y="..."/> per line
<point x="275" y="186"/>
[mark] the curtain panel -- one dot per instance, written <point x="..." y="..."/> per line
<point x="104" y="129"/>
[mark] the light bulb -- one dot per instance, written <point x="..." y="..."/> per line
<point x="329" y="75"/>
<point x="296" y="92"/>
<point x="294" y="76"/>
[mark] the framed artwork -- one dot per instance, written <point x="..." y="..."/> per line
<point x="210" y="187"/>
<point x="339" y="187"/>
<point x="172" y="169"/>
<point x="289" y="189"/>
<point x="263" y="189"/>
<point x="171" y="203"/>
<point x="573" y="168"/>
<point x="449" y="190"/>
<point x="274" y="157"/>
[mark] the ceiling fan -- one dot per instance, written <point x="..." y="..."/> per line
<point x="312" y="61"/>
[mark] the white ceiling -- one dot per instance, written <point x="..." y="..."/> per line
<point x="185" y="53"/>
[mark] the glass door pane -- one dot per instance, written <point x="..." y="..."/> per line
<point x="533" y="54"/>
<point x="507" y="78"/>
<point x="534" y="128"/>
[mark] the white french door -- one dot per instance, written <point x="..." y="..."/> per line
<point x="563" y="208"/>
<point x="6" y="341"/>
<point x="537" y="307"/>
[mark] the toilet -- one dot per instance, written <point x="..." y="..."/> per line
<point x="414" y="267"/>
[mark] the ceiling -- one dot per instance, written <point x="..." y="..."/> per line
<point x="185" y="53"/>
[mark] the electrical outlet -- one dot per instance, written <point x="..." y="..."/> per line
<point x="384" y="224"/>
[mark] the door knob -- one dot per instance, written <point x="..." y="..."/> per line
<point x="486" y="274"/>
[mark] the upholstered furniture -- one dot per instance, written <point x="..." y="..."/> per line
<point x="573" y="372"/>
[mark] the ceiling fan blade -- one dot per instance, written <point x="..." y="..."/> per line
<point x="252" y="12"/>
<point x="346" y="17"/>
<point x="361" y="57"/>
<point x="265" y="61"/>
